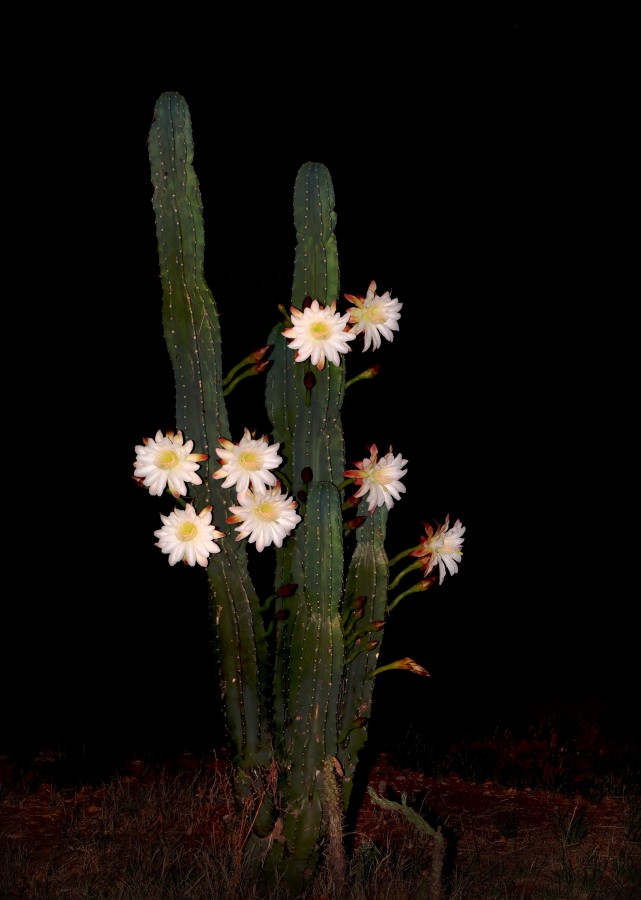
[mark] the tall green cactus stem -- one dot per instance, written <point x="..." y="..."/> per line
<point x="310" y="653"/>
<point x="192" y="333"/>
<point x="306" y="422"/>
<point x="316" y="662"/>
<point x="309" y="424"/>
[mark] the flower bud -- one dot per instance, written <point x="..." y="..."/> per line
<point x="411" y="666"/>
<point x="257" y="355"/>
<point x="355" y="522"/>
<point x="426" y="583"/>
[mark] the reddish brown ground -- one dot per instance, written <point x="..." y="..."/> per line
<point x="499" y="805"/>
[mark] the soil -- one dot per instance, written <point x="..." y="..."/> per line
<point x="501" y="805"/>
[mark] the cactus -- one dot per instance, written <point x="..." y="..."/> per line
<point x="297" y="667"/>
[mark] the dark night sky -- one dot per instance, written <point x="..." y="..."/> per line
<point x="468" y="181"/>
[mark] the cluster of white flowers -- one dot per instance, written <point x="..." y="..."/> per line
<point x="264" y="514"/>
<point x="319" y="333"/>
<point x="167" y="463"/>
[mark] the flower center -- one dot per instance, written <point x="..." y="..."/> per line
<point x="248" y="459"/>
<point x="379" y="476"/>
<point x="266" y="511"/>
<point x="375" y="315"/>
<point x="167" y="459"/>
<point x="187" y="531"/>
<point x="319" y="331"/>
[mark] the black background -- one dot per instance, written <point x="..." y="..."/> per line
<point x="474" y="180"/>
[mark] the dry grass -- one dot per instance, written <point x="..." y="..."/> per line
<point x="168" y="831"/>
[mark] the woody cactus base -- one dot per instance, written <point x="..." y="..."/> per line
<point x="297" y="667"/>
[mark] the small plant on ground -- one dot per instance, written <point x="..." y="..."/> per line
<point x="572" y="827"/>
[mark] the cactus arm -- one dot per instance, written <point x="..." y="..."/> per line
<point x="318" y="440"/>
<point x="308" y="424"/>
<point x="233" y="602"/>
<point x="308" y="427"/>
<point x="367" y="576"/>
<point x="316" y="269"/>
<point x="192" y="334"/>
<point x="315" y="670"/>
<point x="311" y="430"/>
<point x="190" y="319"/>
